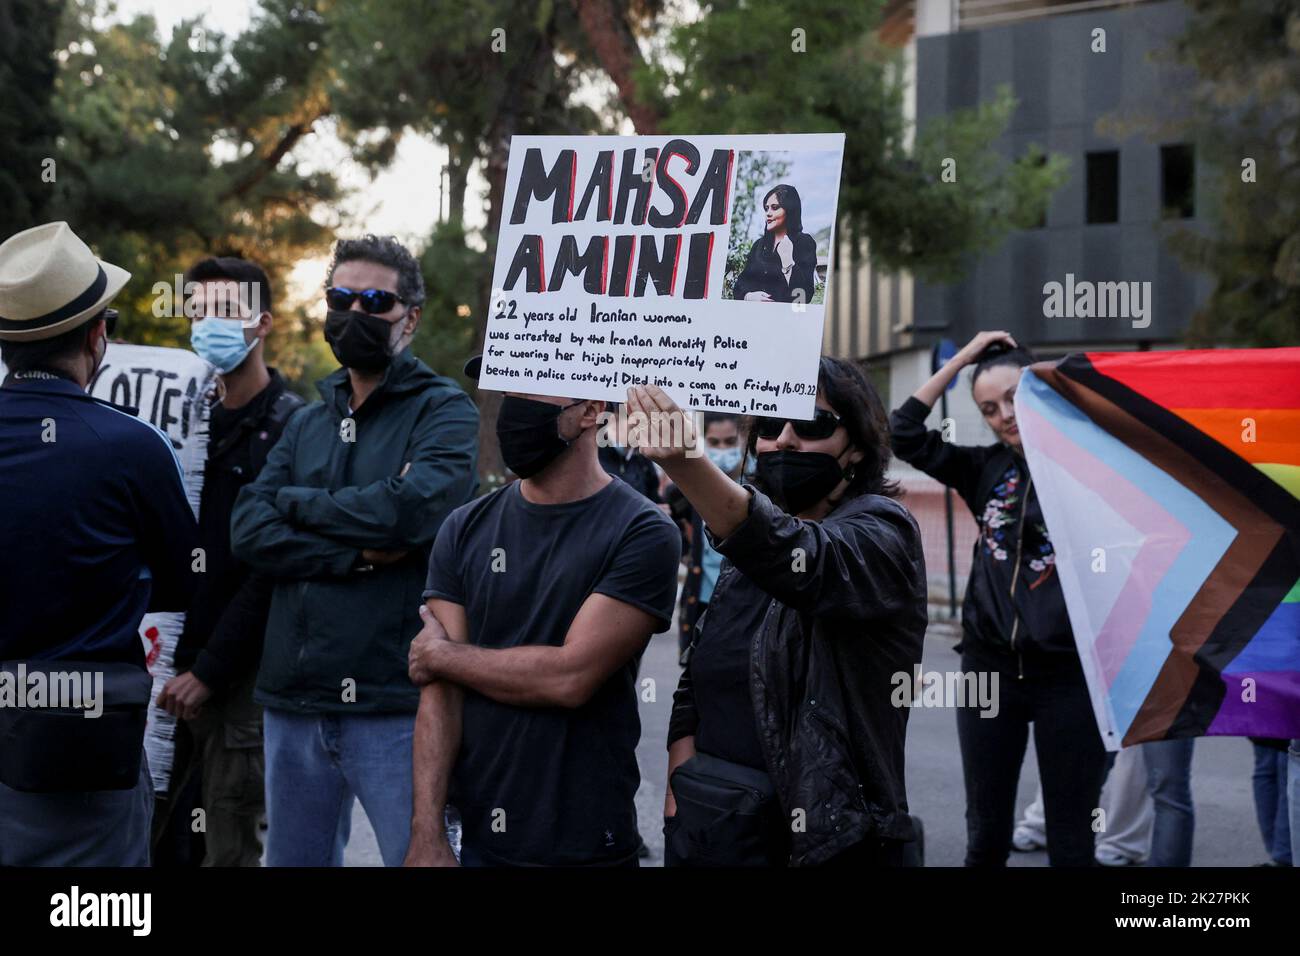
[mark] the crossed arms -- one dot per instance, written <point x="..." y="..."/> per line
<point x="605" y="635"/>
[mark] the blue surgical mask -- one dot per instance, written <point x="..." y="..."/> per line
<point x="727" y="459"/>
<point x="221" y="342"/>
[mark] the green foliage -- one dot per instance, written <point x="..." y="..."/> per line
<point x="400" y="66"/>
<point x="27" y="69"/>
<point x="453" y="273"/>
<point x="172" y="152"/>
<point x="1244" y="106"/>
<point x="739" y="69"/>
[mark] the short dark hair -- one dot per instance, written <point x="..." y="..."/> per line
<point x="999" y="353"/>
<point x="46" y="355"/>
<point x="854" y="399"/>
<point x="384" y="251"/>
<point x="218" y="268"/>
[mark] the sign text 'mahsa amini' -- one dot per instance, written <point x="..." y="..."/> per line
<point x="636" y="264"/>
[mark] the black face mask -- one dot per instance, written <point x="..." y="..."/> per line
<point x="797" y="480"/>
<point x="529" y="434"/>
<point x="359" y="341"/>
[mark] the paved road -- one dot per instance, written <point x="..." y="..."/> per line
<point x="1226" y="832"/>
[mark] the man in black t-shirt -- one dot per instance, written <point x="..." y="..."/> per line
<point x="540" y="600"/>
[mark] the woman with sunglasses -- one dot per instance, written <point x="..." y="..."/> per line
<point x="784" y="747"/>
<point x="1014" y="622"/>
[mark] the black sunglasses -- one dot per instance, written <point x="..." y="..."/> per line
<point x="373" y="301"/>
<point x="823" y="425"/>
<point x="110" y="321"/>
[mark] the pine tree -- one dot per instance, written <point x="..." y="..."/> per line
<point x="27" y="126"/>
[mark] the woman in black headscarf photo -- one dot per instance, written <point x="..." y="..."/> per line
<point x="782" y="264"/>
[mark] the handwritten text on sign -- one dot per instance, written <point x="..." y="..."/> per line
<point x="616" y="254"/>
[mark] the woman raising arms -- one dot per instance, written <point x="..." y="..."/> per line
<point x="1014" y="622"/>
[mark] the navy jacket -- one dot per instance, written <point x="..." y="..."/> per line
<point x="95" y="529"/>
<point x="327" y="492"/>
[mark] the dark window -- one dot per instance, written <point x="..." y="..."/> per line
<point x="1103" y="187"/>
<point x="1042" y="216"/>
<point x="1178" y="181"/>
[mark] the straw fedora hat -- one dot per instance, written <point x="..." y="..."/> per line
<point x="51" y="282"/>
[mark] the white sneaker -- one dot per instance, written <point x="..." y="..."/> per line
<point x="1108" y="857"/>
<point x="1026" y="840"/>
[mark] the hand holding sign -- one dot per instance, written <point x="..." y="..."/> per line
<point x="657" y="427"/>
<point x="696" y="263"/>
<point x="666" y="435"/>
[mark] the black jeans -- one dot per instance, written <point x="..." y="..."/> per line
<point x="1072" y="762"/>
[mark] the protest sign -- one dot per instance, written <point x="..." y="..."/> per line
<point x="168" y="388"/>
<point x="696" y="263"/>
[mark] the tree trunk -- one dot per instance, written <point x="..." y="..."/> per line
<point x="497" y="140"/>
<point x="611" y="38"/>
<point x="459" y="159"/>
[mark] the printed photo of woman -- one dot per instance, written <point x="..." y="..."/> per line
<point x="782" y="264"/>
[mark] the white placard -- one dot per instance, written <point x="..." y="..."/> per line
<point x="628" y="260"/>
<point x="169" y="388"/>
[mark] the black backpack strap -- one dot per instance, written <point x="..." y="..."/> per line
<point x="285" y="404"/>
<point x="272" y="426"/>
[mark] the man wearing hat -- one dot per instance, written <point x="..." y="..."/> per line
<point x="96" y="532"/>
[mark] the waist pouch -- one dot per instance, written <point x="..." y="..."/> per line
<point x="727" y="815"/>
<point x="57" y="749"/>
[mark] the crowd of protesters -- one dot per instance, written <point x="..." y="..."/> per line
<point x="365" y="628"/>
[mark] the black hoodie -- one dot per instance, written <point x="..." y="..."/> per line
<point x="1005" y="609"/>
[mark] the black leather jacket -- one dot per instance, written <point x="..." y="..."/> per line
<point x="848" y="612"/>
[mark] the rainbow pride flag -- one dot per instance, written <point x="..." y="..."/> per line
<point x="1170" y="482"/>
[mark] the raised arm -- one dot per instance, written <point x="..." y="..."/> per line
<point x="930" y="391"/>
<point x="868" y="566"/>
<point x="436" y="745"/>
<point x="957" y="466"/>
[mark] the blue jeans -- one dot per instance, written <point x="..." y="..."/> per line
<point x="1293" y="797"/>
<point x="1169" y="777"/>
<point x="317" y="765"/>
<point x="1269" y="781"/>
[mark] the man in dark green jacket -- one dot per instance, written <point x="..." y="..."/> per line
<point x="342" y="517"/>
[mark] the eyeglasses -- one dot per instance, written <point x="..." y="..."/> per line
<point x="110" y="321"/>
<point x="373" y="301"/>
<point x="823" y="425"/>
